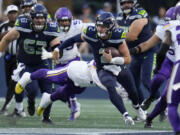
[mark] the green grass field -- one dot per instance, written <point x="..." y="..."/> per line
<point x="94" y="114"/>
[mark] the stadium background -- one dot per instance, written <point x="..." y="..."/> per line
<point x="52" y="5"/>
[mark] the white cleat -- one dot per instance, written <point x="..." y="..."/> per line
<point x="141" y="115"/>
<point x="128" y="120"/>
<point x="75" y="110"/>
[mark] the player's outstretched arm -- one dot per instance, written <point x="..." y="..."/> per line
<point x="13" y="34"/>
<point x="154" y="40"/>
<point x="65" y="44"/>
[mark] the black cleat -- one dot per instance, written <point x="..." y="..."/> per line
<point x="31" y="107"/>
<point x="148" y="123"/>
<point x="163" y="116"/>
<point x="178" y="133"/>
<point x="146" y="103"/>
<point x="47" y="121"/>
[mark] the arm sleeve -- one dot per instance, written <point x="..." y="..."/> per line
<point x="70" y="42"/>
<point x="161" y="55"/>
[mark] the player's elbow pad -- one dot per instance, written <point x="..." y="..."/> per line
<point x="70" y="42"/>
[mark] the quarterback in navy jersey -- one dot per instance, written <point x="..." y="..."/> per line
<point x="137" y="26"/>
<point x="102" y="36"/>
<point x="32" y="34"/>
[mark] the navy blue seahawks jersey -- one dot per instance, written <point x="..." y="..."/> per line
<point x="124" y="22"/>
<point x="116" y="38"/>
<point x="30" y="43"/>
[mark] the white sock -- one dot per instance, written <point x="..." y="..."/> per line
<point x="25" y="79"/>
<point x="19" y="106"/>
<point x="45" y="100"/>
<point x="125" y="114"/>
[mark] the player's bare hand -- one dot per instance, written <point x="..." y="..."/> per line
<point x="55" y="55"/>
<point x="107" y="55"/>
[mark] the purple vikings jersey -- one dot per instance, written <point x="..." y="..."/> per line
<point x="30" y="42"/>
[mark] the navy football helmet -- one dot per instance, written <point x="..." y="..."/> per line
<point x="106" y="19"/>
<point x="38" y="14"/>
<point x="128" y="8"/>
<point x="25" y="3"/>
<point x="26" y="6"/>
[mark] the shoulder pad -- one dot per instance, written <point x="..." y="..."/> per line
<point x="119" y="33"/>
<point x="89" y="30"/>
<point x="51" y="29"/>
<point x="23" y="24"/>
<point x="142" y="12"/>
<point x="118" y="36"/>
<point x="76" y="22"/>
<point x="90" y="33"/>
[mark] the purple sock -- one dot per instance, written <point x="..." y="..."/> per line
<point x="156" y="82"/>
<point x="160" y="106"/>
<point x="174" y="117"/>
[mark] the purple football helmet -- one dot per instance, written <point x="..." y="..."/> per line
<point x="64" y="17"/>
<point x="177" y="12"/>
<point x="170" y="14"/>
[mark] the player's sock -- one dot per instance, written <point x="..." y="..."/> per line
<point x="19" y="106"/>
<point x="156" y="82"/>
<point x="116" y="100"/>
<point x="160" y="106"/>
<point x="45" y="100"/>
<point x="25" y="79"/>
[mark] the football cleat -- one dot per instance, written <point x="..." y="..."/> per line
<point x="146" y="103"/>
<point x="148" y="123"/>
<point x="4" y="112"/>
<point x="163" y="116"/>
<point x="141" y="115"/>
<point x="76" y="111"/>
<point x="47" y="121"/>
<point x="128" y="120"/>
<point x="18" y="88"/>
<point x="40" y="111"/>
<point x="31" y="107"/>
<point x="17" y="113"/>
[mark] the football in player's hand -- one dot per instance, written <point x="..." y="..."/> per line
<point x="114" y="51"/>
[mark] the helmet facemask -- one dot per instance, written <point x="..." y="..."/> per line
<point x="38" y="23"/>
<point x="64" y="18"/>
<point x="104" y="28"/>
<point x="127" y="6"/>
<point x="64" y="24"/>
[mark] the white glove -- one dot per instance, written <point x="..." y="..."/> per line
<point x="45" y="54"/>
